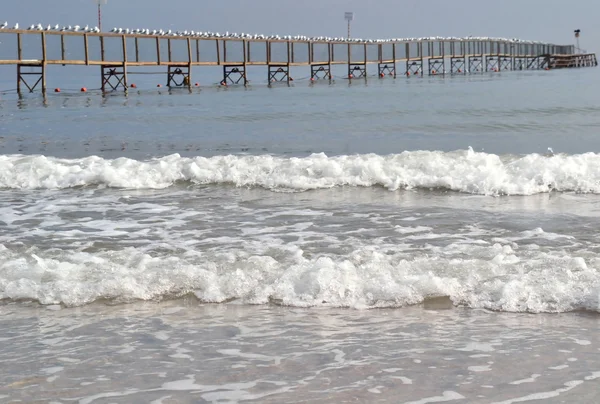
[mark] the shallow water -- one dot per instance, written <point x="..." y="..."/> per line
<point x="184" y="352"/>
<point x="348" y="242"/>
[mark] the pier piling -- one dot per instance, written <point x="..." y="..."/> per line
<point x="37" y="73"/>
<point x="178" y="76"/>
<point x="114" y="77"/>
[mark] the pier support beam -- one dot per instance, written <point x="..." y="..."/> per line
<point x="387" y="69"/>
<point x="475" y="64"/>
<point x="492" y="63"/>
<point x="436" y="66"/>
<point x="545" y="62"/>
<point x="506" y="63"/>
<point x="458" y="65"/>
<point x="414" y="67"/>
<point x="178" y="76"/>
<point x="279" y="73"/>
<point x="114" y="77"/>
<point x="533" y="63"/>
<point x="520" y="63"/>
<point x="37" y="73"/>
<point x="357" y="70"/>
<point x="234" y="74"/>
<point x="320" y="72"/>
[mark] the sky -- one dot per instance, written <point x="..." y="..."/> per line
<point x="545" y="20"/>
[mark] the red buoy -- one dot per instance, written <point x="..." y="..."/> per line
<point x="133" y="85"/>
<point x="158" y="85"/>
<point x="197" y="84"/>
<point x="350" y="76"/>
<point x="57" y="90"/>
<point x="83" y="89"/>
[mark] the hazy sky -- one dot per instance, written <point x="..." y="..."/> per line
<point x="544" y="20"/>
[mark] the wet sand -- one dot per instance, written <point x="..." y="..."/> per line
<point x="185" y="352"/>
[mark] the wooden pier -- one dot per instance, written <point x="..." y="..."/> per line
<point x="31" y="51"/>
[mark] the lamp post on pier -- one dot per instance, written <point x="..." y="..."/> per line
<point x="349" y="16"/>
<point x="577" y="33"/>
<point x="100" y="3"/>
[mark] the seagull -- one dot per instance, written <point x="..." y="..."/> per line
<point x="4" y="25"/>
<point x="16" y="26"/>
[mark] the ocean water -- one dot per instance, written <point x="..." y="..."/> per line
<point x="411" y="240"/>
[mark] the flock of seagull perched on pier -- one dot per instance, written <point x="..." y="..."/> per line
<point x="57" y="27"/>
<point x="228" y="35"/>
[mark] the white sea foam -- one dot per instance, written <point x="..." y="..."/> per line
<point x="462" y="171"/>
<point x="366" y="278"/>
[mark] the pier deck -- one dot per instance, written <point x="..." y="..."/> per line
<point x="31" y="51"/>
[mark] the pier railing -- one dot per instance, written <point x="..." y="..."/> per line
<point x="116" y="52"/>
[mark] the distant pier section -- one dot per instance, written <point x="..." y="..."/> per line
<point x="32" y="50"/>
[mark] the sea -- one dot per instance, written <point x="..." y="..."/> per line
<point x="409" y="240"/>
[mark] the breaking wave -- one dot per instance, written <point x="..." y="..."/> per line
<point x="496" y="277"/>
<point x="462" y="171"/>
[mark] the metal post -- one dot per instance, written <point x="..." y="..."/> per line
<point x="100" y="3"/>
<point x="349" y="16"/>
